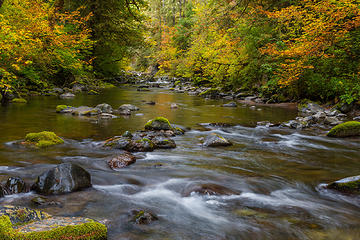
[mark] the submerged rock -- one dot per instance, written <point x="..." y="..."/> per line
<point x="208" y="189"/>
<point x="159" y="123"/>
<point x="121" y="161"/>
<point x="216" y="140"/>
<point x="15" y="185"/>
<point x="41" y="201"/>
<point x="25" y="223"/>
<point x="42" y="139"/>
<point x="230" y="104"/>
<point x="346" y="185"/>
<point x="164" y="143"/>
<point x="64" y="178"/>
<point x="86" y="111"/>
<point x="105" y="108"/>
<point x="128" y="107"/>
<point x="18" y="100"/>
<point x="142" y="217"/>
<point x="348" y="129"/>
<point x="67" y="95"/>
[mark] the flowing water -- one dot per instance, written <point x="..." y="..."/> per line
<point x="274" y="173"/>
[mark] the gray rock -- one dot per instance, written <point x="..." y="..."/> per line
<point x="356" y="118"/>
<point x="107" y="116"/>
<point x="15" y="185"/>
<point x="158" y="124"/>
<point x="216" y="141"/>
<point x="67" y="95"/>
<point x="124" y="112"/>
<point x="105" y="108"/>
<point x="86" y="111"/>
<point x="128" y="107"/>
<point x="250" y="98"/>
<point x="230" y="104"/>
<point x="64" y="178"/>
<point x="332" y="121"/>
<point x="319" y="116"/>
<point x="163" y="143"/>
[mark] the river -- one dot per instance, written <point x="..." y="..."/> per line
<point x="274" y="172"/>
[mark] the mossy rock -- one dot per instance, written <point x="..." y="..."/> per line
<point x="346" y="185"/>
<point x="18" y="100"/>
<point x="60" y="108"/>
<point x="93" y="92"/>
<point x="47" y="227"/>
<point x="43" y="139"/>
<point x="212" y="92"/>
<point x="159" y="123"/>
<point x="347" y="129"/>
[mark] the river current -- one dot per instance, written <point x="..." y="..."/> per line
<point x="275" y="173"/>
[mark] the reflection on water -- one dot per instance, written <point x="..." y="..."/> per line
<point x="276" y="172"/>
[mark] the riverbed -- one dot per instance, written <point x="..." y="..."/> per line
<point x="274" y="173"/>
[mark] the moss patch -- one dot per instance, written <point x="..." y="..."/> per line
<point x="348" y="129"/>
<point x="43" y="139"/>
<point x="93" y="92"/>
<point x="19" y="100"/>
<point x="60" y="108"/>
<point x="159" y="123"/>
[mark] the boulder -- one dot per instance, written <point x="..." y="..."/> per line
<point x="86" y="111"/>
<point x="216" y="140"/>
<point x="127" y="144"/>
<point x="25" y="223"/>
<point x="142" y="217"/>
<point x="64" y="109"/>
<point x="67" y="95"/>
<point x="347" y="129"/>
<point x="42" y="139"/>
<point x="128" y="107"/>
<point x="15" y="185"/>
<point x="64" y="178"/>
<point x="124" y="112"/>
<point x="104" y="108"/>
<point x="230" y="104"/>
<point x="332" y="121"/>
<point x="346" y="185"/>
<point x="159" y="123"/>
<point x="163" y="143"/>
<point x="121" y="161"/>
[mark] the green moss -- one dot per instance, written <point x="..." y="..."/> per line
<point x="92" y="92"/>
<point x="149" y="124"/>
<point x="348" y="129"/>
<point x="59" y="108"/>
<point x="177" y="83"/>
<point x="43" y="139"/>
<point x="208" y="92"/>
<point x="171" y="89"/>
<point x="19" y="100"/>
<point x="88" y="231"/>
<point x="349" y="185"/>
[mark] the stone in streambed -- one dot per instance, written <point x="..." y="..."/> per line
<point x="42" y="139"/>
<point x="230" y="104"/>
<point x="64" y="109"/>
<point x="142" y="217"/>
<point x="105" y="108"/>
<point x="67" y="95"/>
<point x="346" y="185"/>
<point x="159" y="123"/>
<point x="41" y="201"/>
<point x="127" y="144"/>
<point x="216" y="140"/>
<point x="208" y="189"/>
<point x="348" y="129"/>
<point x="86" y="111"/>
<point x="121" y="161"/>
<point x="26" y="224"/>
<point x="18" y="100"/>
<point x="64" y="178"/>
<point x="128" y="107"/>
<point x="15" y="185"/>
<point x="163" y="143"/>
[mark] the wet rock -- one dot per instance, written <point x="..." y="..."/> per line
<point x="159" y="123"/>
<point x="2" y="191"/>
<point x="123" y="143"/>
<point x="107" y="116"/>
<point x="142" y="217"/>
<point x="15" y="185"/>
<point x="121" y="161"/>
<point x="64" y="178"/>
<point x="356" y="118"/>
<point x="210" y="93"/>
<point x="64" y="109"/>
<point x="163" y="143"/>
<point x="105" y="108"/>
<point x="93" y="92"/>
<point x="208" y="189"/>
<point x="86" y="111"/>
<point x="332" y="121"/>
<point x="150" y="103"/>
<point x="250" y="98"/>
<point x="311" y="109"/>
<point x="78" y="88"/>
<point x="319" y="116"/>
<point x="25" y="223"/>
<point x="174" y="106"/>
<point x="127" y="134"/>
<point x="58" y="90"/>
<point x="346" y="185"/>
<point x="41" y="201"/>
<point x="124" y="112"/>
<point x="42" y="139"/>
<point x="230" y="104"/>
<point x="67" y="95"/>
<point x="216" y="140"/>
<point x="18" y="100"/>
<point x="347" y="129"/>
<point x="265" y="124"/>
<point x="128" y="107"/>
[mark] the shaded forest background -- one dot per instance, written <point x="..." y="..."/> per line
<point x="285" y="50"/>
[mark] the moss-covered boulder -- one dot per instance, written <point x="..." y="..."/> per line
<point x="43" y="139"/>
<point x="159" y="123"/>
<point x="348" y="129"/>
<point x="346" y="185"/>
<point x="18" y="100"/>
<point x="26" y="224"/>
<point x="62" y="108"/>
